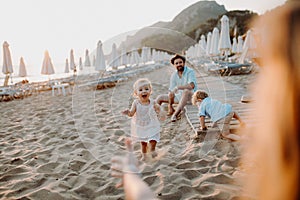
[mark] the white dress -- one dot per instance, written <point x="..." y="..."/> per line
<point x="145" y="125"/>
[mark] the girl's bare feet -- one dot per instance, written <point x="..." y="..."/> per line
<point x="154" y="154"/>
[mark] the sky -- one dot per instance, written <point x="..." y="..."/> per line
<point x="33" y="26"/>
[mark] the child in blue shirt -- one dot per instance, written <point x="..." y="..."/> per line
<point x="220" y="114"/>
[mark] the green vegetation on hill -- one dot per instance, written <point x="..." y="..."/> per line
<point x="238" y="20"/>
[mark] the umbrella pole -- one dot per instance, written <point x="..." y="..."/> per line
<point x="11" y="79"/>
<point x="102" y="73"/>
<point x="74" y="70"/>
<point x="6" y="80"/>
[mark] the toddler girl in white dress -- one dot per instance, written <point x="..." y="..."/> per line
<point x="145" y="125"/>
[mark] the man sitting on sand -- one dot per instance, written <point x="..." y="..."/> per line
<point x="183" y="84"/>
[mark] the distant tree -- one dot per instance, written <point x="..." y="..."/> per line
<point x="242" y="19"/>
<point x="207" y="27"/>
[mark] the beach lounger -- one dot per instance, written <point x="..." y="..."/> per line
<point x="231" y="68"/>
<point x="60" y="87"/>
<point x="6" y="93"/>
<point x="237" y="68"/>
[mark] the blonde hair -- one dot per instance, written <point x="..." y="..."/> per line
<point x="141" y="82"/>
<point x="274" y="147"/>
<point x="199" y="94"/>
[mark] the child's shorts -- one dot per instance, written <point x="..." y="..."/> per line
<point x="224" y="123"/>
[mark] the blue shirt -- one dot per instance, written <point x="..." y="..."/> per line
<point x="188" y="76"/>
<point x="214" y="109"/>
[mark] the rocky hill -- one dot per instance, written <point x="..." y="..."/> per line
<point x="185" y="29"/>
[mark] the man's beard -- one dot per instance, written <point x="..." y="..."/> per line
<point x="180" y="69"/>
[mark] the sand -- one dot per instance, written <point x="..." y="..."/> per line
<point x="60" y="147"/>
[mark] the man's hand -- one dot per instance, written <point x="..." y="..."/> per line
<point x="175" y="90"/>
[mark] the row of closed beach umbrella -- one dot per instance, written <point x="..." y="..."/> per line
<point x="7" y="67"/>
<point x="47" y="66"/>
<point x="218" y="43"/>
<point x="116" y="60"/>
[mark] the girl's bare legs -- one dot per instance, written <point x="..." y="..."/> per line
<point x="144" y="150"/>
<point x="152" y="148"/>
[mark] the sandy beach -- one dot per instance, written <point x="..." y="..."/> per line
<point x="60" y="147"/>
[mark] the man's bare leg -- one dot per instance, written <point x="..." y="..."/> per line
<point x="171" y="102"/>
<point x="163" y="98"/>
<point x="169" y="99"/>
<point x="186" y="96"/>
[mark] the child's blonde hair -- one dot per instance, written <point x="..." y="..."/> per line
<point x="199" y="94"/>
<point x="141" y="82"/>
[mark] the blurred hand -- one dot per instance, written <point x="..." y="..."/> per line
<point x="125" y="168"/>
<point x="160" y="113"/>
<point x="156" y="108"/>
<point x="124" y="164"/>
<point x="125" y="112"/>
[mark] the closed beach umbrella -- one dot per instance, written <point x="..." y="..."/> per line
<point x="208" y="43"/>
<point x="249" y="40"/>
<point x="114" y="57"/>
<point x="72" y="60"/>
<point x="149" y="54"/>
<point x="234" y="46"/>
<point x="124" y="58"/>
<point x="99" y="60"/>
<point x="22" y="68"/>
<point x="135" y="57"/>
<point x="67" y="66"/>
<point x="214" y="50"/>
<point x="7" y="68"/>
<point x="203" y="42"/>
<point x="240" y="44"/>
<point x="146" y="54"/>
<point x="87" y="61"/>
<point x="250" y="45"/>
<point x="80" y="63"/>
<point x="47" y="68"/>
<point x="202" y="46"/>
<point x="94" y="60"/>
<point x="155" y="55"/>
<point x="224" y="42"/>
